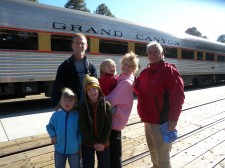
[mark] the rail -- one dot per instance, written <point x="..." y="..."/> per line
<point x="201" y="142"/>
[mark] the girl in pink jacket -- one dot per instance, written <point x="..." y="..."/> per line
<point x="122" y="98"/>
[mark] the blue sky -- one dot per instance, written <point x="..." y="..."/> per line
<point x="174" y="16"/>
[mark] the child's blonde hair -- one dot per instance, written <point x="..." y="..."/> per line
<point x="133" y="58"/>
<point x="68" y="93"/>
<point x="105" y="63"/>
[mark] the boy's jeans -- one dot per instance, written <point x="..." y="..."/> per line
<point x="73" y="159"/>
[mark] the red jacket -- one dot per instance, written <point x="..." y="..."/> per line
<point x="160" y="92"/>
<point x="107" y="83"/>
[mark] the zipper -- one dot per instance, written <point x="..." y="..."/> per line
<point x="95" y="107"/>
<point x="67" y="114"/>
<point x="157" y="104"/>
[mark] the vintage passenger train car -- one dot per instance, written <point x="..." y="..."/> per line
<point x="36" y="38"/>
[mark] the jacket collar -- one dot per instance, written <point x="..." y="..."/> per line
<point x="72" y="60"/>
<point x="153" y="67"/>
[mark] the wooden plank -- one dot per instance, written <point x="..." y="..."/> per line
<point x="210" y="158"/>
<point x="200" y="131"/>
<point x="199" y="136"/>
<point x="34" y="162"/>
<point x="130" y="152"/>
<point x="129" y="128"/>
<point x="133" y="131"/>
<point x="138" y="148"/>
<point x="183" y="144"/>
<point x="22" y="144"/>
<point x="221" y="164"/>
<point x="193" y="127"/>
<point x="201" y="97"/>
<point x="189" y="104"/>
<point x="21" y="140"/>
<point x="19" y="145"/>
<point x="194" y="119"/>
<point x="187" y="156"/>
<point x="133" y="142"/>
<point x="25" y="158"/>
<point x="176" y="163"/>
<point x="134" y="151"/>
<point x="202" y="112"/>
<point x="141" y="163"/>
<point x="134" y="118"/>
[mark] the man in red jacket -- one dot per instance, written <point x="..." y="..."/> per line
<point x="160" y="92"/>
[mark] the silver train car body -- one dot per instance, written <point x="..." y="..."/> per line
<point x="24" y="72"/>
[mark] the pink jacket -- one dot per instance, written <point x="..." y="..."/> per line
<point x="122" y="98"/>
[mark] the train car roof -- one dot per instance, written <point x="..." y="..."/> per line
<point x="35" y="16"/>
<point x="23" y="14"/>
<point x="190" y="41"/>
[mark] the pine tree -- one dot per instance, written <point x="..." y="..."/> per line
<point x="33" y="0"/>
<point x="221" y="38"/>
<point x="194" y="31"/>
<point x="77" y="5"/>
<point x="103" y="10"/>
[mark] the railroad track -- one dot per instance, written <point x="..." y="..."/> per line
<point x="36" y="102"/>
<point x="198" y="124"/>
<point x="23" y="105"/>
<point x="201" y="129"/>
<point x="29" y="103"/>
<point x="201" y="132"/>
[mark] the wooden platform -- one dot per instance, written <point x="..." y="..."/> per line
<point x="201" y="143"/>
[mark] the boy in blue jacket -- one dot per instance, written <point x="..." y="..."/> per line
<point x="64" y="131"/>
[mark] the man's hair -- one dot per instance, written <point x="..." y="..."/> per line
<point x="79" y="35"/>
<point x="160" y="48"/>
<point x="154" y="43"/>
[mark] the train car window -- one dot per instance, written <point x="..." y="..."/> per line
<point x="170" y="52"/>
<point x="209" y="57"/>
<point x="20" y="40"/>
<point x="113" y="47"/>
<point x="187" y="54"/>
<point x="63" y="43"/>
<point x="199" y="56"/>
<point x="220" y="58"/>
<point x="140" y="49"/>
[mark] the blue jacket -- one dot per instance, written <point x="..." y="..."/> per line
<point x="64" y="126"/>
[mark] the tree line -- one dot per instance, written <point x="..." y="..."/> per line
<point x="194" y="31"/>
<point x="102" y="9"/>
